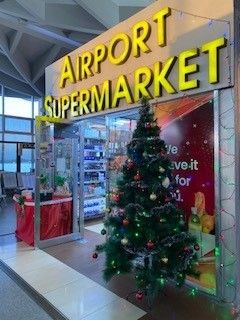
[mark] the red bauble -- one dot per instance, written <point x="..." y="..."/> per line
<point x="150" y="245"/>
<point x="116" y="197"/>
<point x="95" y="255"/>
<point x="130" y="164"/>
<point x="139" y="295"/>
<point x="125" y="222"/>
<point x="137" y="177"/>
<point x="148" y="125"/>
<point x="196" y="247"/>
<point x="186" y="249"/>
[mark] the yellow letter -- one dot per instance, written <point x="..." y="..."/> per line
<point x="185" y="70"/>
<point x="126" y="50"/>
<point x="74" y="103"/>
<point x="86" y="64"/>
<point x="65" y="106"/>
<point x="160" y="77"/>
<point x="122" y="90"/>
<point x="160" y="18"/>
<point x="100" y="54"/>
<point x="100" y="101"/>
<point x="141" y="33"/>
<point x="47" y="105"/>
<point x="142" y="80"/>
<point x="212" y="48"/>
<point x="84" y="100"/>
<point x="67" y="72"/>
<point x="57" y="108"/>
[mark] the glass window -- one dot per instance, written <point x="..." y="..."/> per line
<point x="19" y="125"/>
<point x="36" y="107"/>
<point x="26" y="160"/>
<point x="16" y="104"/>
<point x="10" y="155"/>
<point x="1" y="128"/>
<point x="18" y="137"/>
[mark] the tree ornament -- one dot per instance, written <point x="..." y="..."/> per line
<point x="121" y="212"/>
<point x="124" y="241"/>
<point x="95" y="255"/>
<point x="166" y="182"/>
<point x="145" y="154"/>
<point x="161" y="169"/>
<point x="196" y="247"/>
<point x="116" y="197"/>
<point x="108" y="210"/>
<point x="153" y="124"/>
<point x="125" y="222"/>
<point x="137" y="177"/>
<point x="103" y="232"/>
<point x="150" y="245"/>
<point x="148" y="125"/>
<point x="165" y="260"/>
<point x="185" y="249"/>
<point x="139" y="295"/>
<point x="130" y="164"/>
<point x="153" y="196"/>
<point x="162" y="220"/>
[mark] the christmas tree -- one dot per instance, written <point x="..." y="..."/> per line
<point x="146" y="230"/>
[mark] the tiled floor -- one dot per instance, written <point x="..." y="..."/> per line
<point x="72" y="293"/>
<point x="95" y="227"/>
<point x="7" y="217"/>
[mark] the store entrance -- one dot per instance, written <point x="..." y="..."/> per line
<point x="103" y="144"/>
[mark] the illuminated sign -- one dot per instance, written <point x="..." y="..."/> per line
<point x="149" y="81"/>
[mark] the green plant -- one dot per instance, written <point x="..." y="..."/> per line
<point x="43" y="179"/>
<point x="21" y="200"/>
<point x="60" y="181"/>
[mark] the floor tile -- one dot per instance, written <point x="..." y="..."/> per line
<point x="12" y="250"/>
<point x="96" y="227"/>
<point x="29" y="261"/>
<point x="51" y="277"/>
<point x="80" y="298"/>
<point x="117" y="310"/>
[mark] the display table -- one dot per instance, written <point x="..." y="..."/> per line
<point x="55" y="218"/>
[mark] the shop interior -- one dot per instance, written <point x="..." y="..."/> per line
<point x="78" y="166"/>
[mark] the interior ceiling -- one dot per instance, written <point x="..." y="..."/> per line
<point x="35" y="33"/>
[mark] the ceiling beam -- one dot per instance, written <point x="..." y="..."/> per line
<point x="7" y="68"/>
<point x="45" y="60"/>
<point x="100" y="11"/>
<point x="12" y="83"/>
<point x="48" y="34"/>
<point x="36" y="8"/>
<point x="14" y="41"/>
<point x="73" y="17"/>
<point x="19" y="62"/>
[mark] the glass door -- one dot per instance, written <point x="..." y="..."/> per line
<point x="55" y="196"/>
<point x="120" y="129"/>
<point x="92" y="168"/>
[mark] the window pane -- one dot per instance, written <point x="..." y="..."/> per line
<point x="1" y="128"/>
<point x="36" y="107"/>
<point x="18" y="137"/>
<point x="26" y="160"/>
<point x="16" y="104"/>
<point x="15" y="124"/>
<point x="10" y="157"/>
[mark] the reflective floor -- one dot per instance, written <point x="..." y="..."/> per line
<point x="72" y="281"/>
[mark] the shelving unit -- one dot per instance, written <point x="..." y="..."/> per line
<point x="94" y="163"/>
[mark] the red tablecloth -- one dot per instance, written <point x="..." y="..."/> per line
<point x="55" y="219"/>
